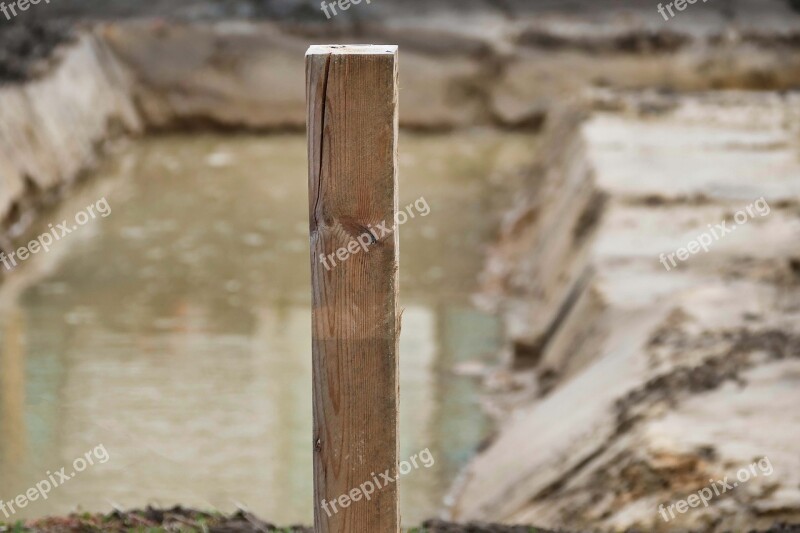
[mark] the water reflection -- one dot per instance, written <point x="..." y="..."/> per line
<point x="176" y="332"/>
<point x="12" y="394"/>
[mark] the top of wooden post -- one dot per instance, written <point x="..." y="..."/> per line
<point x="352" y="49"/>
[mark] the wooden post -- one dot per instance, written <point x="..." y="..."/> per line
<point x="351" y="93"/>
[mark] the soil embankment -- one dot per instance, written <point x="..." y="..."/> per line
<point x="650" y="379"/>
<point x="53" y="126"/>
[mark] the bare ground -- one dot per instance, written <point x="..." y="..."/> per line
<point x="181" y="519"/>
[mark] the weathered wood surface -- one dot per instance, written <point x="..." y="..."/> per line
<point x="352" y="147"/>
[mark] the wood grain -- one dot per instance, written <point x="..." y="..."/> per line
<point x="352" y="151"/>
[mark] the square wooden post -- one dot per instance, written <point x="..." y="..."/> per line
<point x="352" y="95"/>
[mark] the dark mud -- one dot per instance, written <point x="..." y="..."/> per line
<point x="634" y="42"/>
<point x="438" y="526"/>
<point x="26" y="45"/>
<point x="181" y="519"/>
<point x="153" y="520"/>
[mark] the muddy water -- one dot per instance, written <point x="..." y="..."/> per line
<point x="176" y="331"/>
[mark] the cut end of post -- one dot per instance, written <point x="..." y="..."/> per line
<point x="365" y="49"/>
